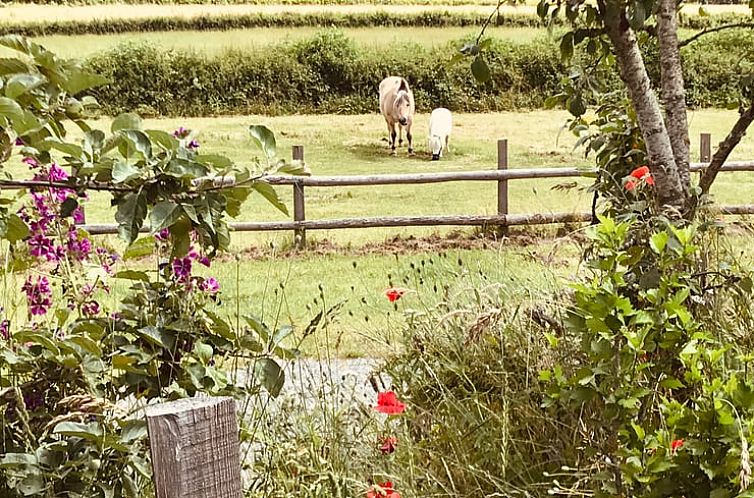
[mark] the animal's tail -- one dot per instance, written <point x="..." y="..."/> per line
<point x="403" y="86"/>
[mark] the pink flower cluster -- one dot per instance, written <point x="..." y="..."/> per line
<point x="38" y="294"/>
<point x="182" y="268"/>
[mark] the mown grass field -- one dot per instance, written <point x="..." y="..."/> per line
<point x="15" y="13"/>
<point x="262" y="38"/>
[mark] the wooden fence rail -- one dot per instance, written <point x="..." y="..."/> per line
<point x="502" y="175"/>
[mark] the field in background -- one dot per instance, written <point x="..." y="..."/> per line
<point x="17" y="13"/>
<point x="261" y="38"/>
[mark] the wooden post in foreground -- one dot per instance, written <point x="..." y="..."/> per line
<point x="195" y="448"/>
<point x="705" y="147"/>
<point x="502" y="185"/>
<point x="299" y="213"/>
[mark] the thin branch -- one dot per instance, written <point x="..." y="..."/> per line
<point x="718" y="159"/>
<point x="489" y="20"/>
<point x="707" y="31"/>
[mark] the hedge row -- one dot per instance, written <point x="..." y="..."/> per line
<point x="290" y="19"/>
<point x="329" y="73"/>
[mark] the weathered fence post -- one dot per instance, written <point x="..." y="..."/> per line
<point x="299" y="212"/>
<point x="705" y="147"/>
<point x="502" y="185"/>
<point x="195" y="448"/>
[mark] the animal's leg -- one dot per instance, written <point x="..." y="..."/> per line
<point x="392" y="137"/>
<point x="447" y="143"/>
<point x="408" y="138"/>
<point x="400" y="136"/>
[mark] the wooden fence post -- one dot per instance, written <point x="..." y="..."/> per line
<point x="299" y="211"/>
<point x="502" y="185"/>
<point x="705" y="147"/>
<point x="195" y="448"/>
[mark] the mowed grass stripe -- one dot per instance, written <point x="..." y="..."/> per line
<point x="25" y="13"/>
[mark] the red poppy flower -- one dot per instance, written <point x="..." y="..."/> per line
<point x="394" y="293"/>
<point x="630" y="185"/>
<point x="388" y="402"/>
<point x="382" y="490"/>
<point x="642" y="173"/>
<point x="388" y="445"/>
<point x="676" y="445"/>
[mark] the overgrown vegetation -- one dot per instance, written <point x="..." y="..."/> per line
<point x="310" y="19"/>
<point x="330" y="74"/>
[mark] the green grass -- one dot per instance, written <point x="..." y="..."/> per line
<point x="260" y="38"/>
<point x="353" y="145"/>
<point x="18" y="13"/>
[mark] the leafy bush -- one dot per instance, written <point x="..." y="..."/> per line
<point x="329" y="73"/>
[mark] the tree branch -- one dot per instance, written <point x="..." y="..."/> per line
<point x="668" y="191"/>
<point x="707" y="31"/>
<point x="718" y="159"/>
<point x="673" y="91"/>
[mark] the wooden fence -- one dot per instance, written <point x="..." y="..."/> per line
<point x="502" y="175"/>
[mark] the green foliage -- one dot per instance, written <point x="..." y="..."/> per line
<point x="660" y="382"/>
<point x="73" y="376"/>
<point x="329" y="74"/>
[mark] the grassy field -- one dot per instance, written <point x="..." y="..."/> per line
<point x="260" y="38"/>
<point x="336" y="145"/>
<point x="16" y="13"/>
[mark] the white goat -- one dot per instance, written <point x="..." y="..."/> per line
<point x="440" y="125"/>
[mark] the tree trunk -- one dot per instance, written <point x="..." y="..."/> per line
<point x="669" y="191"/>
<point x="673" y="91"/>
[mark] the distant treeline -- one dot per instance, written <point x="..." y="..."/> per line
<point x="293" y="20"/>
<point x="330" y="73"/>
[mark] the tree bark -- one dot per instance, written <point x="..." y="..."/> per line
<point x="718" y="159"/>
<point x="673" y="91"/>
<point x="669" y="191"/>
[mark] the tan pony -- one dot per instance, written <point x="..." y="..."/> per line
<point x="397" y="106"/>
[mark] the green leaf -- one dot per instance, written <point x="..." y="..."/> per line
<point x="270" y="194"/>
<point x="13" y="66"/>
<point x="480" y="70"/>
<point x="157" y="337"/>
<point x="270" y="375"/>
<point x="10" y="109"/>
<point x="132" y="210"/>
<point x="264" y="139"/>
<point x="79" y="80"/>
<point x="126" y="121"/>
<point x="142" y="247"/>
<point x="87" y="345"/>
<point x="15" y="229"/>
<point x="124" y="171"/>
<point x="163" y="139"/>
<point x="216" y="160"/>
<point x="140" y="141"/>
<point x="671" y="383"/>
<point x="203" y="352"/>
<point x="259" y="327"/>
<point x="163" y="215"/>
<point x="17" y="459"/>
<point x="658" y="242"/>
<point x="91" y="430"/>
<point x="132" y="430"/>
<point x="21" y="83"/>
<point x="132" y="275"/>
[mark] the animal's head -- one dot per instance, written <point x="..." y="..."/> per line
<point x="402" y="105"/>
<point x="435" y="147"/>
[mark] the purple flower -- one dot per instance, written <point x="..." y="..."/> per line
<point x="181" y="132"/>
<point x="90" y="308"/>
<point x="210" y="285"/>
<point x="193" y="144"/>
<point x="40" y="246"/>
<point x="163" y="235"/>
<point x="78" y="215"/>
<point x="182" y="268"/>
<point x="57" y="174"/>
<point x="31" y="162"/>
<point x="33" y="400"/>
<point x="19" y="142"/>
<point x="205" y="261"/>
<point x="38" y="295"/>
<point x="5" y="329"/>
